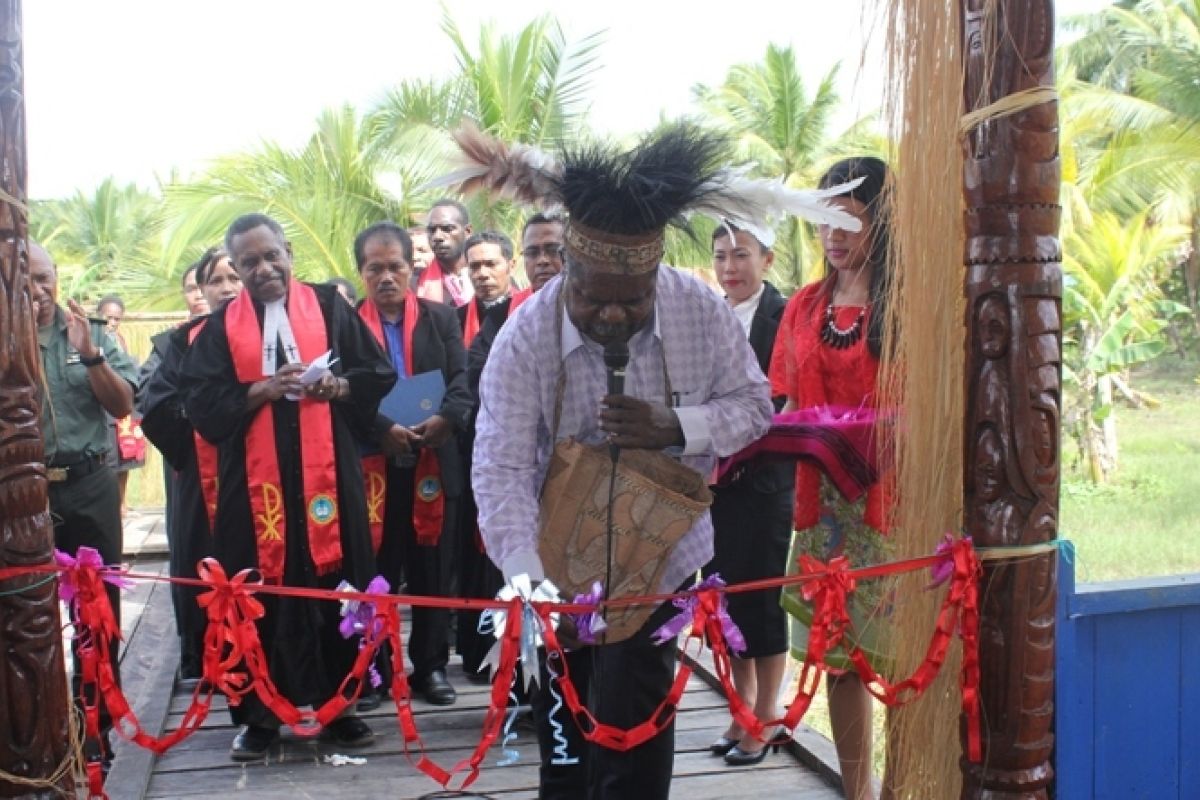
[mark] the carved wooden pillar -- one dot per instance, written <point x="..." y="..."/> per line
<point x="33" y="686"/>
<point x="1014" y="290"/>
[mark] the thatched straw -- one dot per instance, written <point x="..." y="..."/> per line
<point x="924" y="372"/>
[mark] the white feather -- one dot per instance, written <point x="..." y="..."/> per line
<point x="768" y="199"/>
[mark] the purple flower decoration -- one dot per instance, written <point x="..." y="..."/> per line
<point x="944" y="568"/>
<point x="687" y="610"/>
<point x="590" y="624"/>
<point x="358" y="616"/>
<point x="85" y="557"/>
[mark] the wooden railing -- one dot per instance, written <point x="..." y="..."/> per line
<point x="1128" y="699"/>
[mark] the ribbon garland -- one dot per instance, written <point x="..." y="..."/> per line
<point x="235" y="664"/>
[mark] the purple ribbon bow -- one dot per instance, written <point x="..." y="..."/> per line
<point x="85" y="557"/>
<point x="944" y="568"/>
<point x="590" y="624"/>
<point x="687" y="610"/>
<point x="359" y="615"/>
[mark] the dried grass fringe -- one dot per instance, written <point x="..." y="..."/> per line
<point x="923" y="372"/>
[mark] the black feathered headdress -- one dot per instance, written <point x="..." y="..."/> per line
<point x="619" y="202"/>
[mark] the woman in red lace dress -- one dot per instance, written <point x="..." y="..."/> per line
<point x="827" y="354"/>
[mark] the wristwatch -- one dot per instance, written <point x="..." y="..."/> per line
<point x="94" y="361"/>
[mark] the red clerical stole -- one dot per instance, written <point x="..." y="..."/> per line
<point x="206" y="458"/>
<point x="318" y="466"/>
<point x="429" y="502"/>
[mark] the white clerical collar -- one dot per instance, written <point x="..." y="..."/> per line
<point x="572" y="339"/>
<point x="277" y="331"/>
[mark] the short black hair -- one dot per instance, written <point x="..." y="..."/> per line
<point x="541" y="218"/>
<point x="207" y="262"/>
<point x="464" y="216"/>
<point x="489" y="237"/>
<point x="110" y="300"/>
<point x="722" y="230"/>
<point x="248" y="222"/>
<point x="388" y="231"/>
<point x="340" y="282"/>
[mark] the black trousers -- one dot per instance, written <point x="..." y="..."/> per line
<point x="622" y="684"/>
<point x="87" y="512"/>
<point x="426" y="568"/>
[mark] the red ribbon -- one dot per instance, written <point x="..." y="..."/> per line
<point x="231" y="642"/>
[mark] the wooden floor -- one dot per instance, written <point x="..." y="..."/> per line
<point x="296" y="768"/>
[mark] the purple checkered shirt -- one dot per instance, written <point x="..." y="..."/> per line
<point x="722" y="398"/>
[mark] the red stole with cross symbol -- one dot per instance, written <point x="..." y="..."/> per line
<point x="318" y="465"/>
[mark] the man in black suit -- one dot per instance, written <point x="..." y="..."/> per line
<point x="422" y="469"/>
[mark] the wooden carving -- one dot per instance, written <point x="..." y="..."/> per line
<point x="1014" y="290"/>
<point x="33" y="686"/>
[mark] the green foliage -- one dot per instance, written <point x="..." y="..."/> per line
<point x="782" y="132"/>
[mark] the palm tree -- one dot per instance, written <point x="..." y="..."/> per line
<point x="322" y="195"/>
<point x="1142" y="57"/>
<point x="529" y="87"/>
<point x="776" y="126"/>
<point x="1114" y="314"/>
<point x="106" y="241"/>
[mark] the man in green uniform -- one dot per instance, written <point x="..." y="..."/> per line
<point x="86" y="374"/>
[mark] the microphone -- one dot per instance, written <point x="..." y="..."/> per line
<point x="616" y="358"/>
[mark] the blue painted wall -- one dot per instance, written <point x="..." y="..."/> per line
<point x="1128" y="688"/>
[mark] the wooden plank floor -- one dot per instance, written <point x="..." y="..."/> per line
<point x="200" y="766"/>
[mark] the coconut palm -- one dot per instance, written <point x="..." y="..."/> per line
<point x="783" y="132"/>
<point x="1114" y="314"/>
<point x="106" y="241"/>
<point x="322" y="194"/>
<point x="1142" y="57"/>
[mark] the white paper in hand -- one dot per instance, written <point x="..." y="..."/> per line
<point x="316" y="370"/>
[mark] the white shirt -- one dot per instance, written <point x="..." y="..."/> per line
<point x="744" y="311"/>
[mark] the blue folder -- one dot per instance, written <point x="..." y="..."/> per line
<point x="414" y="400"/>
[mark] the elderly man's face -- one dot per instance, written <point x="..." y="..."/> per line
<point x="607" y="307"/>
<point x="263" y="261"/>
<point x="43" y="284"/>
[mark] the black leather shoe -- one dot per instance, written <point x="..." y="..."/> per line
<point x="350" y="732"/>
<point x="436" y="688"/>
<point x="252" y="743"/>
<point x="370" y="700"/>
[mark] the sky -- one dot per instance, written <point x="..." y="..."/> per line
<point x="141" y="88"/>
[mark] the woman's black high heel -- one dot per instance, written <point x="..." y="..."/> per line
<point x="737" y="757"/>
<point x="722" y="746"/>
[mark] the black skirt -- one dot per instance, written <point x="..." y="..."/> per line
<point x="752" y="519"/>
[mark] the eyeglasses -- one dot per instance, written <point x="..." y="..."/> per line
<point x="554" y="252"/>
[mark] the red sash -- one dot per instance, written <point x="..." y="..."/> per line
<point x="518" y="298"/>
<point x="206" y="458"/>
<point x="429" y="285"/>
<point x="318" y="465"/>
<point x="429" y="502"/>
<point x="471" y="323"/>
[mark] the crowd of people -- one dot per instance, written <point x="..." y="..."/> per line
<point x="316" y="477"/>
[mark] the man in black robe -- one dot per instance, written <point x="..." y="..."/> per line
<point x="160" y="405"/>
<point x="308" y="657"/>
